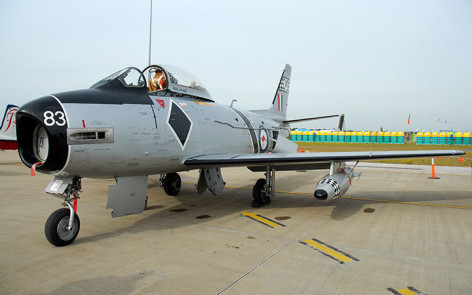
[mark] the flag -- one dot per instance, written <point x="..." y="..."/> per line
<point x="409" y="116"/>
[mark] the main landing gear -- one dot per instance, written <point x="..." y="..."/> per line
<point x="63" y="225"/>
<point x="171" y="183"/>
<point x="263" y="190"/>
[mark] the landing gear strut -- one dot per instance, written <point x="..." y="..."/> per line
<point x="171" y="183"/>
<point x="63" y="225"/>
<point x="263" y="190"/>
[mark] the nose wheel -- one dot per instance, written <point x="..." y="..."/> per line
<point x="58" y="230"/>
<point x="63" y="225"/>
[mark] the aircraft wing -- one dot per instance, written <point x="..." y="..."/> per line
<point x="293" y="161"/>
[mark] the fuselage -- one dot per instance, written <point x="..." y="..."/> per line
<point x="102" y="134"/>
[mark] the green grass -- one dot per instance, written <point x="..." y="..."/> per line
<point x="351" y="147"/>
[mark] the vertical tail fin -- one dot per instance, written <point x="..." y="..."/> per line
<point x="278" y="109"/>
<point x="8" y="126"/>
<point x="279" y="104"/>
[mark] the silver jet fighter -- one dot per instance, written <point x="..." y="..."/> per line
<point x="162" y="120"/>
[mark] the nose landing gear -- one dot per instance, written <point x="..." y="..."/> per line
<point x="63" y="225"/>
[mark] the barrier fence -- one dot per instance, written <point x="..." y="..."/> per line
<point x="458" y="138"/>
<point x="438" y="138"/>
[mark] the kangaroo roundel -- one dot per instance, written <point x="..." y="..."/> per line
<point x="263" y="139"/>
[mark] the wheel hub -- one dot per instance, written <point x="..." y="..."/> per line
<point x="62" y="229"/>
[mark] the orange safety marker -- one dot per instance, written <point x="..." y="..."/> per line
<point x="33" y="168"/>
<point x="74" y="205"/>
<point x="433" y="170"/>
<point x="461" y="160"/>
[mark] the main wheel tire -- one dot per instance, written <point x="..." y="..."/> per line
<point x="56" y="228"/>
<point x="260" y="197"/>
<point x="172" y="184"/>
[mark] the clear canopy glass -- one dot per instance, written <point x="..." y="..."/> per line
<point x="177" y="80"/>
<point x="130" y="77"/>
<point x="183" y="82"/>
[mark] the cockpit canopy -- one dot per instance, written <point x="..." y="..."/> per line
<point x="161" y="79"/>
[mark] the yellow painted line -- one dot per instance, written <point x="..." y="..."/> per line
<point x="363" y="199"/>
<point x="329" y="251"/>
<point x="406" y="292"/>
<point x="12" y="164"/>
<point x="409" y="203"/>
<point x="262" y="219"/>
<point x="236" y="187"/>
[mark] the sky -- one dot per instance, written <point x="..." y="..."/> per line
<point x="377" y="62"/>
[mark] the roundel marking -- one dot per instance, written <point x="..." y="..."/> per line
<point x="263" y="139"/>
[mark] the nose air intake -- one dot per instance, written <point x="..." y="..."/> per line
<point x="40" y="143"/>
<point x="41" y="134"/>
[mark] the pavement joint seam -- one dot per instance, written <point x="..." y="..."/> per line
<point x="274" y="254"/>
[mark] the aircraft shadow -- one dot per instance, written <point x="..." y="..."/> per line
<point x="119" y="285"/>
<point x="196" y="209"/>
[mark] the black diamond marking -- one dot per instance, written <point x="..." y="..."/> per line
<point x="180" y="123"/>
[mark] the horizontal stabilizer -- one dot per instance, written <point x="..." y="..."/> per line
<point x="309" y="119"/>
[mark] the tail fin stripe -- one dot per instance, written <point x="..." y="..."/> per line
<point x="279" y="101"/>
<point x="10" y="110"/>
<point x="10" y="113"/>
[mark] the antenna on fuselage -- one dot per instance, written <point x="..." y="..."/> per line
<point x="150" y="34"/>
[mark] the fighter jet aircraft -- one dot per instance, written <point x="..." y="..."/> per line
<point x="8" y="129"/>
<point x="162" y="120"/>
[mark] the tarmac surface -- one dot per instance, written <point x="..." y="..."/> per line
<point x="394" y="232"/>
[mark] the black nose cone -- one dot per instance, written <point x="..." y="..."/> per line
<point x="41" y="131"/>
<point x="321" y="194"/>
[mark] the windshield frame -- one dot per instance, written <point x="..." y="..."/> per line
<point x="119" y="78"/>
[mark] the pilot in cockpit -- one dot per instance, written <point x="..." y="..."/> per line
<point x="158" y="82"/>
